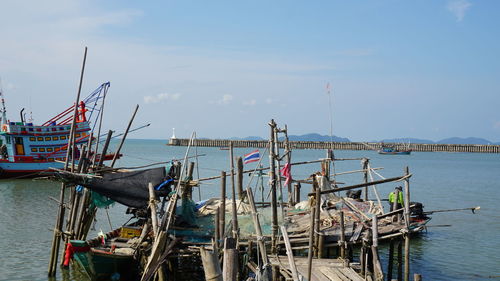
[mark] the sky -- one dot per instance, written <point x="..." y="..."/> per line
<point x="426" y="69"/>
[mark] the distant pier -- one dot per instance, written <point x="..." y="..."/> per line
<point x="420" y="147"/>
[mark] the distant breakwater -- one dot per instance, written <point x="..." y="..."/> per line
<point x="421" y="147"/>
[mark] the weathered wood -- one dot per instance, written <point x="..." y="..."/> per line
<point x="104" y="149"/>
<point x="400" y="260"/>
<point x="296" y="193"/>
<point x="390" y="262"/>
<point x="377" y="267"/>
<point x="360" y="185"/>
<point x="234" y="219"/>
<point x="230" y="267"/>
<point x="311" y="243"/>
<point x="417" y="277"/>
<point x="289" y="253"/>
<point x="239" y="166"/>
<point x="257" y="226"/>
<point x="56" y="239"/>
<point x="317" y="207"/>
<point x="407" y="222"/>
<point x="342" y="242"/>
<point x="364" y="163"/>
<point x="222" y="226"/>
<point x="273" y="181"/>
<point x="211" y="265"/>
<point x="152" y="208"/>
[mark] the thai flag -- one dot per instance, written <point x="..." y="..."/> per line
<point x="253" y="156"/>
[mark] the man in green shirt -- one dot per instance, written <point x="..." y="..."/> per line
<point x="392" y="198"/>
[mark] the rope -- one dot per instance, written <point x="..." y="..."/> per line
<point x="375" y="189"/>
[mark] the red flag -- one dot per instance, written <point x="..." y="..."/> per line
<point x="286" y="172"/>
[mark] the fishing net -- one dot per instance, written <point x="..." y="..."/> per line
<point x="100" y="201"/>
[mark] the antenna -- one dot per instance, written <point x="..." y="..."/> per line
<point x="330" y="110"/>
<point x="3" y="110"/>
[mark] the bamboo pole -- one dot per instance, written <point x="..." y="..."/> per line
<point x="124" y="137"/>
<point x="400" y="260"/>
<point x="288" y="152"/>
<point x="152" y="207"/>
<point x="377" y="268"/>
<point x="317" y="217"/>
<point x="239" y="166"/>
<point x="289" y="253"/>
<point x="222" y="226"/>
<point x="56" y="239"/>
<point x="361" y="185"/>
<point x="104" y="149"/>
<point x="407" y="222"/>
<point x="272" y="176"/>
<point x="258" y="230"/>
<point x="233" y="189"/>
<point x="342" y="235"/>
<point x="311" y="244"/>
<point x="365" y="177"/>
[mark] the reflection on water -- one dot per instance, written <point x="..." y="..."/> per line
<point x="468" y="250"/>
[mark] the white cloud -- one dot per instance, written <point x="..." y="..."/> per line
<point x="250" y="102"/>
<point x="161" y="97"/>
<point x="458" y="8"/>
<point x="226" y="99"/>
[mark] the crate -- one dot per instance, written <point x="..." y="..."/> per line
<point x="130" y="231"/>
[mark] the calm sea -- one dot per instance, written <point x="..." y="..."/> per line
<point x="467" y="250"/>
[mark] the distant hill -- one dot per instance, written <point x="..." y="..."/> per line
<point x="316" y="137"/>
<point x="456" y="140"/>
<point x="247" y="138"/>
<point x="405" y="140"/>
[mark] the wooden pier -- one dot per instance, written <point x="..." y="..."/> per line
<point x="420" y="147"/>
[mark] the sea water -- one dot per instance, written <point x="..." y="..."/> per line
<point x="469" y="249"/>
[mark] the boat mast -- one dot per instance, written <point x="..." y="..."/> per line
<point x="4" y="111"/>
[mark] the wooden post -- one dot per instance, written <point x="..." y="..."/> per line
<point x="222" y="226"/>
<point x="124" y="137"/>
<point x="289" y="253"/>
<point x="342" y="235"/>
<point x="377" y="268"/>
<point x="407" y="222"/>
<point x="296" y="193"/>
<point x="105" y="148"/>
<point x="189" y="188"/>
<point x="272" y="177"/>
<point x="56" y="239"/>
<point x="239" y="167"/>
<point x="152" y="207"/>
<point x="365" y="177"/>
<point x="390" y="262"/>
<point x="230" y="267"/>
<point x="417" y="277"/>
<point x="400" y="260"/>
<point x="233" y="187"/>
<point x="311" y="243"/>
<point x="217" y="225"/>
<point x="317" y="215"/>
<point x="211" y="265"/>
<point x="258" y="229"/>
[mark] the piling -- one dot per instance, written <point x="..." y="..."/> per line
<point x="230" y="267"/>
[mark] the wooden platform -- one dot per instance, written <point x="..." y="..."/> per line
<point x="323" y="269"/>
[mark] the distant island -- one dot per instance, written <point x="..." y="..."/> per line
<point x="325" y="138"/>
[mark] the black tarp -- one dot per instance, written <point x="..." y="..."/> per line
<point x="129" y="188"/>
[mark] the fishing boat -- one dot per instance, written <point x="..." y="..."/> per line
<point x="393" y="150"/>
<point x="27" y="149"/>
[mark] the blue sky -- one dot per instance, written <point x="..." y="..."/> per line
<point x="425" y="69"/>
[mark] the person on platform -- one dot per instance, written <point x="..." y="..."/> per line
<point x="392" y="198"/>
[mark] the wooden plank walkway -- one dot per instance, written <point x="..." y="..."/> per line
<point x="323" y="269"/>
